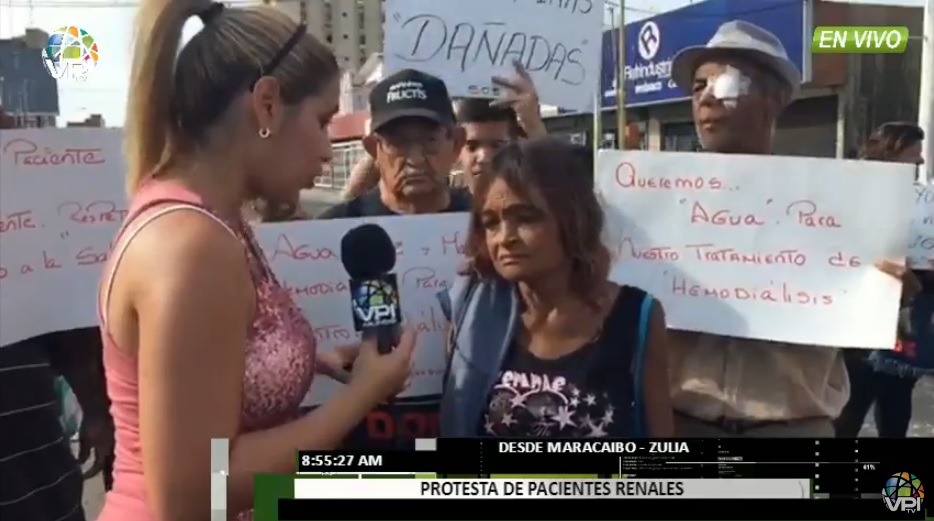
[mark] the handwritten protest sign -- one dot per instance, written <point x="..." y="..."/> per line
<point x="466" y="43"/>
<point x="777" y="248"/>
<point x="921" y="242"/>
<point x="61" y="202"/>
<point x="61" y="206"/>
<point x="784" y="253"/>
<point x="305" y="257"/>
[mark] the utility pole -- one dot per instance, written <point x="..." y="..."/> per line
<point x="598" y="97"/>
<point x="621" y="80"/>
<point x="926" y="99"/>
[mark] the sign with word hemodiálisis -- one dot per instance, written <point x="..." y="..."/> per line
<point x="921" y="242"/>
<point x="774" y="248"/>
<point x="466" y="43"/>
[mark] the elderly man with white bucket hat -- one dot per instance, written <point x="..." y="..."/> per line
<point x="740" y="82"/>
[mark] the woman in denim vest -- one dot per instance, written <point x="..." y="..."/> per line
<point x="542" y="343"/>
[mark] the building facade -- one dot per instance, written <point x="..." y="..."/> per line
<point x="92" y="121"/>
<point x="353" y="28"/>
<point x="356" y="84"/>
<point x="828" y="119"/>
<point x="346" y="132"/>
<point x="27" y="92"/>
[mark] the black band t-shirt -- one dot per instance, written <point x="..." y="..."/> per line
<point x="588" y="393"/>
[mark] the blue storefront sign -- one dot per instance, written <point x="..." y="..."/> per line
<point x="652" y="43"/>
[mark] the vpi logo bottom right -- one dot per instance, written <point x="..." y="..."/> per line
<point x="903" y="492"/>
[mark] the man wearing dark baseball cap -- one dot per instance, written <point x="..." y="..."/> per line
<point x="489" y="124"/>
<point x="414" y="143"/>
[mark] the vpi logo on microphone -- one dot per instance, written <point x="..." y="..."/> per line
<point x="375" y="302"/>
<point x="903" y="492"/>
<point x="649" y="40"/>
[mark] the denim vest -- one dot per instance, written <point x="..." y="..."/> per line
<point x="477" y="353"/>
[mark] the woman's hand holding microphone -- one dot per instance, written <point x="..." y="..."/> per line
<point x="380" y="376"/>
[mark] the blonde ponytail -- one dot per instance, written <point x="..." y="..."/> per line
<point x="150" y="120"/>
<point x="176" y="96"/>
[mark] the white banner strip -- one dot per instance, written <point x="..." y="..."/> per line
<point x="553" y="489"/>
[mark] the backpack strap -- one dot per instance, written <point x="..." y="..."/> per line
<point x="638" y="367"/>
<point x="622" y="351"/>
<point x="615" y="353"/>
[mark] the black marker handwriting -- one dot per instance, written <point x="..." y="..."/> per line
<point x="490" y="44"/>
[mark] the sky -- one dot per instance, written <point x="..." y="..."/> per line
<point x="110" y="23"/>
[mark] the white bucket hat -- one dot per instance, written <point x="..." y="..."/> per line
<point x="741" y="38"/>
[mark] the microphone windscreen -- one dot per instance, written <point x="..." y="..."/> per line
<point x="367" y="252"/>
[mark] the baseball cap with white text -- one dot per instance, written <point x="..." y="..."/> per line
<point x="410" y="94"/>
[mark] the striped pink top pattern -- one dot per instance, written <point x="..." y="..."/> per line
<point x="279" y="357"/>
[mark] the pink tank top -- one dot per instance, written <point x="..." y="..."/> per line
<point x="279" y="354"/>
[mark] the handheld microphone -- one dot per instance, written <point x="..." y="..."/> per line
<point x="368" y="256"/>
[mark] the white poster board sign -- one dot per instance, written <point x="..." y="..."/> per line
<point x="62" y="199"/>
<point x="61" y="204"/>
<point x="775" y="248"/>
<point x="306" y="257"/>
<point x="921" y="242"/>
<point x="779" y="248"/>
<point x="466" y="43"/>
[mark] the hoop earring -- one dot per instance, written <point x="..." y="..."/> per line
<point x="264" y="133"/>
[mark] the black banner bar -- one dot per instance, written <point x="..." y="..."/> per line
<point x="367" y="461"/>
<point x="586" y="509"/>
<point x="701" y="458"/>
<point x="830" y="460"/>
<point x="836" y="466"/>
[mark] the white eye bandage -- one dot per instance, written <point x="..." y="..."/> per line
<point x="728" y="86"/>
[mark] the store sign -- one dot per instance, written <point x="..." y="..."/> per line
<point x="652" y="44"/>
